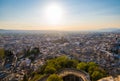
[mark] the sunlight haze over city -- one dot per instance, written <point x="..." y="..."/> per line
<point x="65" y="15"/>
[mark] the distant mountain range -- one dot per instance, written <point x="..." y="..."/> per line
<point x="48" y="31"/>
<point x="110" y="30"/>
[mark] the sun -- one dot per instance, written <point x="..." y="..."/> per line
<point x="53" y="14"/>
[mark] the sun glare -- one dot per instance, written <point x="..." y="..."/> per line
<point x="53" y="14"/>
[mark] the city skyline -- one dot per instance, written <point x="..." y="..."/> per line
<point x="59" y="14"/>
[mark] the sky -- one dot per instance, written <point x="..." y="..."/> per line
<point x="67" y="14"/>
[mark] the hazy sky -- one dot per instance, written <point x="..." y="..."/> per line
<point x="76" y="14"/>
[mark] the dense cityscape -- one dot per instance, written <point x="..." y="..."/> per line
<point x="24" y="53"/>
<point x="59" y="40"/>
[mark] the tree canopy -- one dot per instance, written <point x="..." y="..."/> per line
<point x="2" y="53"/>
<point x="95" y="71"/>
<point x="54" y="77"/>
<point x="53" y="65"/>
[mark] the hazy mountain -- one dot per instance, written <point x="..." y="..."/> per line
<point x="110" y="30"/>
<point x="48" y="31"/>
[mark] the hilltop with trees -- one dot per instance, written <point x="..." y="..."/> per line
<point x="53" y="65"/>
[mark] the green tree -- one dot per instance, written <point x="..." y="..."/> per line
<point x="54" y="77"/>
<point x="2" y="53"/>
<point x="82" y="66"/>
<point x="58" y="63"/>
<point x="95" y="71"/>
<point x="92" y="64"/>
<point x="50" y="70"/>
<point x="71" y="63"/>
<point x="96" y="75"/>
<point x="35" y="51"/>
<point x="91" y="69"/>
<point x="25" y="78"/>
<point x="62" y="61"/>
